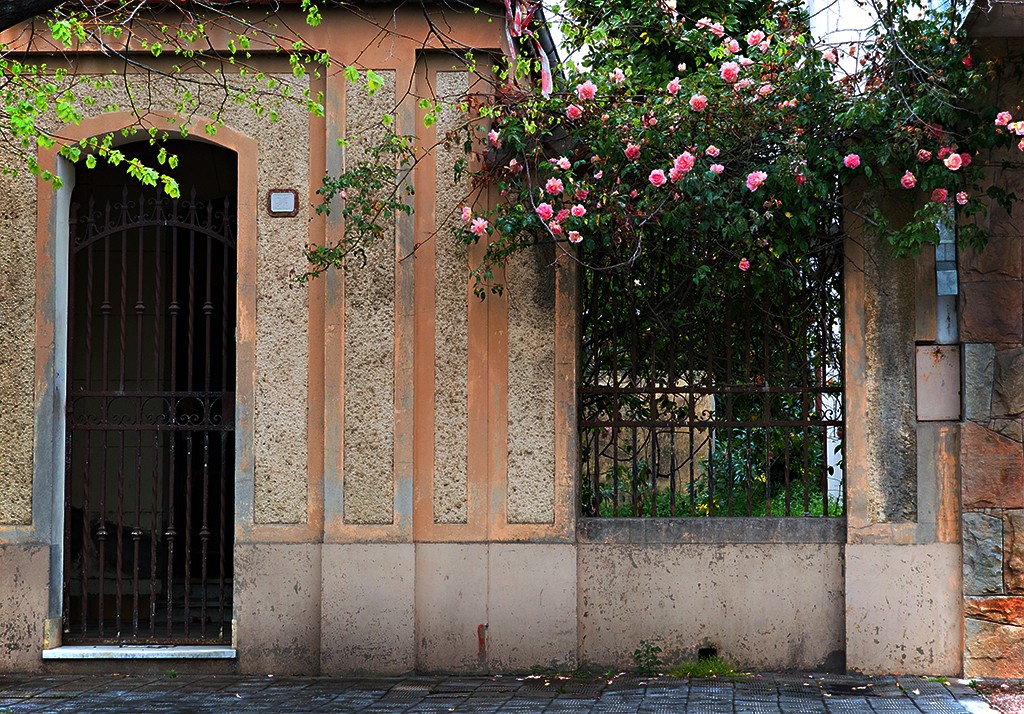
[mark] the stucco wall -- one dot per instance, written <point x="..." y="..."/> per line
<point x="369" y="341"/>
<point x="17" y="336"/>
<point x="451" y="337"/>
<point x="531" y="388"/>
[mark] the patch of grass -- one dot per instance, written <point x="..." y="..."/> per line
<point x="940" y="680"/>
<point x="709" y="667"/>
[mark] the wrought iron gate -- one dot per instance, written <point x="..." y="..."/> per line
<point x="150" y="420"/>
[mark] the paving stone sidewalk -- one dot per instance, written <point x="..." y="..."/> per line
<point x="756" y="694"/>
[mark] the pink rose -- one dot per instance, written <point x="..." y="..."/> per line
<point x="765" y="89"/>
<point x="684" y="162"/>
<point x="675" y="174"/>
<point x="712" y="151"/>
<point x="953" y="162"/>
<point x="581" y="194"/>
<point x="755" y="37"/>
<point x="545" y="211"/>
<point x="1017" y="127"/>
<point x="800" y="179"/>
<point x="908" y="180"/>
<point x="479" y="226"/>
<point x="554" y="186"/>
<point x="573" y="112"/>
<point x="831" y="55"/>
<point x="575" y="237"/>
<point x="494" y="138"/>
<point x="1003" y="118"/>
<point x="763" y="46"/>
<point x="698" y="102"/>
<point x="467" y="214"/>
<point x="944" y="152"/>
<point x="632" y="151"/>
<point x="744" y="264"/>
<point x="563" y="163"/>
<point x="587" y="90"/>
<point x="755" y="179"/>
<point x="966" y="159"/>
<point x="968" y="62"/>
<point x="562" y="215"/>
<point x="744" y="61"/>
<point x="578" y="211"/>
<point x="742" y="84"/>
<point x="598" y="175"/>
<point x="924" y="155"/>
<point x="657" y="178"/>
<point x="673" y="86"/>
<point x="962" y="197"/>
<point x="851" y="161"/>
<point x="717" y="29"/>
<point x="940" y="195"/>
<point x="717" y="168"/>
<point x="731" y="46"/>
<point x="730" y="72"/>
<point x="555" y="227"/>
<point x="617" y="76"/>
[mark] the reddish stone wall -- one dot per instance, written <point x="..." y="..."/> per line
<point x="992" y="455"/>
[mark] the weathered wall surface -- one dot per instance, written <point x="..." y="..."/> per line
<point x="370" y="343"/>
<point x="24" y="587"/>
<point x="765" y="606"/>
<point x="531" y="388"/>
<point x="17" y="336"/>
<point x="451" y="337"/>
<point x="992" y="455"/>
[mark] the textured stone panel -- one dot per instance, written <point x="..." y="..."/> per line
<point x="766" y="606"/>
<point x="992" y="650"/>
<point x="1008" y="383"/>
<point x="277" y="608"/>
<point x="991" y="311"/>
<point x="282" y="325"/>
<point x="24" y="585"/>
<point x="17" y="338"/>
<point x="903" y="608"/>
<point x="451" y="337"/>
<point x="1010" y="428"/>
<point x="370" y="341"/>
<point x="979" y="371"/>
<point x="531" y="389"/>
<point x="1013" y="552"/>
<point x="1000" y="259"/>
<point x="992" y="469"/>
<point x="983" y="554"/>
<point x="1002" y="610"/>
<point x="889" y="309"/>
<point x="368" y="609"/>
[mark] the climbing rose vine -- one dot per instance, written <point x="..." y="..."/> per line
<point x="755" y="149"/>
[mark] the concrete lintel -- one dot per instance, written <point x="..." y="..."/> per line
<point x="139" y="652"/>
<point x="711" y="530"/>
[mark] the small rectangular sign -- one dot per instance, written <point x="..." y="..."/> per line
<point x="283" y="202"/>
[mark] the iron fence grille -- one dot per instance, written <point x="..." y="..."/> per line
<point x="150" y="420"/>
<point x="709" y="391"/>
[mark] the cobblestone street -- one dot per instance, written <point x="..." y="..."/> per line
<point x="756" y="694"/>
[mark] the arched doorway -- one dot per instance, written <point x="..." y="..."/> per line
<point x="149" y="456"/>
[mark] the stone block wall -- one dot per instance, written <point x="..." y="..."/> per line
<point x="991" y="452"/>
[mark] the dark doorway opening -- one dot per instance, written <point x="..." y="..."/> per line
<point x="149" y="481"/>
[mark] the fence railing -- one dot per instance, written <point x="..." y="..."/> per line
<point x="714" y="397"/>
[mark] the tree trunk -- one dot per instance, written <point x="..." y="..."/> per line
<point x="13" y="12"/>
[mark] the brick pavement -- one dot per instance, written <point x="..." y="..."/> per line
<point x="629" y="694"/>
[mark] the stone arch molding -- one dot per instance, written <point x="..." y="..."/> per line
<point x="51" y="319"/>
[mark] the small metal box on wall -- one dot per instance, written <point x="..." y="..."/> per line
<point x="938" y="383"/>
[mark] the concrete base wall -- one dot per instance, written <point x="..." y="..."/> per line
<point x="765" y="606"/>
<point x="24" y="587"/>
<point x="903" y="608"/>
